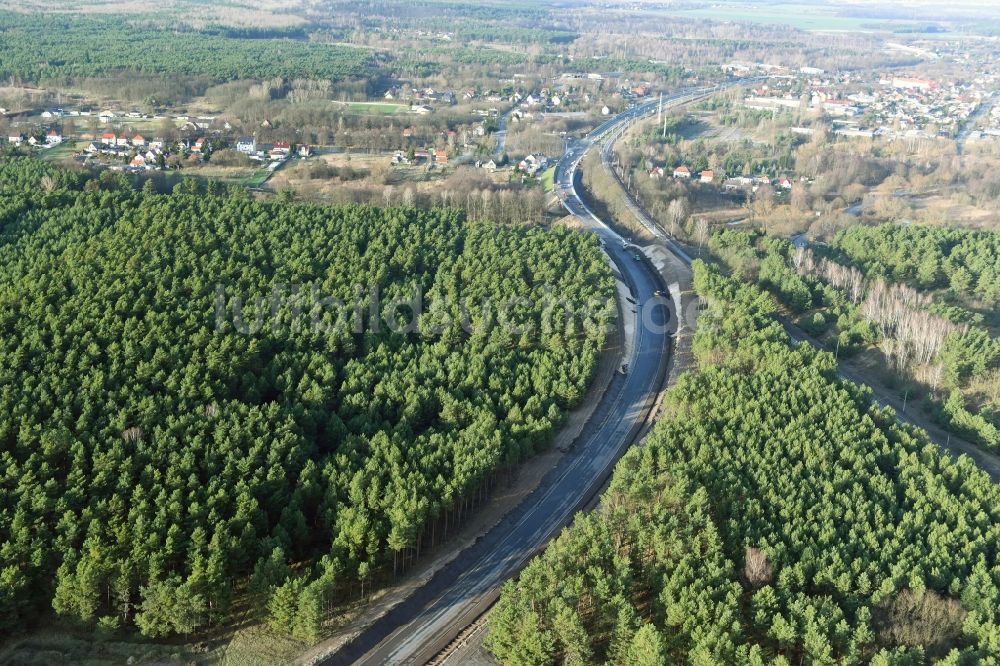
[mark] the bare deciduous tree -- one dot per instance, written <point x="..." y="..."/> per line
<point x="757" y="570"/>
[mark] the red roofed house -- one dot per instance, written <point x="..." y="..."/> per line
<point x="53" y="137"/>
<point x="122" y="140"/>
<point x="682" y="172"/>
<point x="138" y="161"/>
<point x="707" y="176"/>
<point x="108" y="139"/>
<point x="283" y="146"/>
<point x="784" y="183"/>
<point x="138" y="141"/>
<point x="198" y="146"/>
<point x="407" y="132"/>
<point x="441" y="156"/>
<point x="656" y="172"/>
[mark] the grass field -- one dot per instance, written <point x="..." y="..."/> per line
<point x="376" y="108"/>
<point x="254" y="180"/>
<point x="63" y="150"/>
<point x="252" y="177"/>
<point x="547" y="179"/>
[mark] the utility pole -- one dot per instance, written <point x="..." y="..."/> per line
<point x="659" y="109"/>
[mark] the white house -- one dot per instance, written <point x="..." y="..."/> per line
<point x="53" y="137"/>
<point x="15" y="139"/>
<point x="246" y="145"/>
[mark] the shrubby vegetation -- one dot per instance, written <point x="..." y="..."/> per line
<point x="155" y="469"/>
<point x="773" y="516"/>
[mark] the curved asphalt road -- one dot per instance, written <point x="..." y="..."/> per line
<point x="422" y="625"/>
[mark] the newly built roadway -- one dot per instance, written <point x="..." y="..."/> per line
<point x="417" y="629"/>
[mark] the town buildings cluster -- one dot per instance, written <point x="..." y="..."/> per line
<point x="949" y="96"/>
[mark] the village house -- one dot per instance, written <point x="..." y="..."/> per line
<point x="108" y="139"/>
<point x="738" y="183"/>
<point x="246" y="145"/>
<point x="656" y="172"/>
<point x="122" y="140"/>
<point x="282" y="146"/>
<point x="53" y="137"/>
<point x="15" y="139"/>
<point x="304" y="150"/>
<point x="199" y="145"/>
<point x="441" y="156"/>
<point x="532" y="164"/>
<point x="490" y="166"/>
<point x="682" y="172"/>
<point x="139" y="141"/>
<point x="706" y="176"/>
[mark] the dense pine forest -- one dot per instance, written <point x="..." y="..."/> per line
<point x="773" y="516"/>
<point x="79" y="47"/>
<point x="966" y="261"/>
<point x="174" y="439"/>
